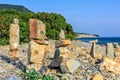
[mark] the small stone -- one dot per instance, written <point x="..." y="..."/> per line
<point x="53" y="71"/>
<point x="98" y="77"/>
<point x="63" y="68"/>
<point x="112" y="74"/>
<point x="43" y="70"/>
<point x="15" y="21"/>
<point x="64" y="78"/>
<point x="13" y="54"/>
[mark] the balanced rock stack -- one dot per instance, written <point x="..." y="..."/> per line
<point x="62" y="59"/>
<point x="60" y="45"/>
<point x="38" y="44"/>
<point x="14" y="39"/>
<point x="64" y="42"/>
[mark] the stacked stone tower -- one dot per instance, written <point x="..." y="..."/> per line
<point x="14" y="39"/>
<point x="38" y="44"/>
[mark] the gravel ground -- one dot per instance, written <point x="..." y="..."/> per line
<point x="86" y="70"/>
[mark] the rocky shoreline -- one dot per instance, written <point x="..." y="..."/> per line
<point x="88" y="69"/>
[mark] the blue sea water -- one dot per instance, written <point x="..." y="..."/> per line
<point x="101" y="40"/>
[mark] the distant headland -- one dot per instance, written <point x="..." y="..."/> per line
<point x="86" y="35"/>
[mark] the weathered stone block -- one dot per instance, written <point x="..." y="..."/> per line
<point x="111" y="65"/>
<point x="14" y="36"/>
<point x="13" y="54"/>
<point x="72" y="65"/>
<point x="98" y="77"/>
<point x="38" y="52"/>
<point x="37" y="29"/>
<point x="110" y="50"/>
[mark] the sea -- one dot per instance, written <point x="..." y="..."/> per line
<point x="102" y="40"/>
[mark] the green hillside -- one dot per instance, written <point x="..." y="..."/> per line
<point x="14" y="7"/>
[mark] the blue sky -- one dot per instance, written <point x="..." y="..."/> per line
<point x="100" y="17"/>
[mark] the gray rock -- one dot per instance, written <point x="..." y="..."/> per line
<point x="56" y="62"/>
<point x="57" y="53"/>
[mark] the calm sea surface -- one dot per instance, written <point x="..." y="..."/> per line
<point x="101" y="40"/>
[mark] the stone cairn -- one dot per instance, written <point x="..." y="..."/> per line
<point x="38" y="44"/>
<point x="14" y="39"/>
<point x="68" y="65"/>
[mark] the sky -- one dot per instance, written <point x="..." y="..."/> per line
<point x="100" y="17"/>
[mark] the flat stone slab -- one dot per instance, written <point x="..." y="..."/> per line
<point x="72" y="65"/>
<point x="65" y="42"/>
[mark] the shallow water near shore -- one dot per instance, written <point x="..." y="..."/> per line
<point x="102" y="40"/>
